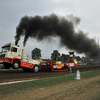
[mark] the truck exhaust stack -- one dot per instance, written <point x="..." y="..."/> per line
<point x="23" y="52"/>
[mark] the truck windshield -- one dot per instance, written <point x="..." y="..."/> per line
<point x="5" y="48"/>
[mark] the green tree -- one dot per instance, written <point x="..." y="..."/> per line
<point x="78" y="58"/>
<point x="64" y="57"/>
<point x="55" y="55"/>
<point x="83" y="60"/>
<point x="36" y="53"/>
<point x="87" y="60"/>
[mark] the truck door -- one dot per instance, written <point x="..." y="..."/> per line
<point x="14" y="52"/>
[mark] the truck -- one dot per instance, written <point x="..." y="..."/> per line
<point x="14" y="56"/>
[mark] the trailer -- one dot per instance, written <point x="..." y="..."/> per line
<point x="15" y="57"/>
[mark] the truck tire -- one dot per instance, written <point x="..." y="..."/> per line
<point x="6" y="66"/>
<point x="35" y="69"/>
<point x="16" y="64"/>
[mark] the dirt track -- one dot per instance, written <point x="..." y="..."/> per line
<point x="16" y="75"/>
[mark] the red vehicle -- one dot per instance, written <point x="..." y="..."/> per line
<point x="71" y="61"/>
<point x="54" y="66"/>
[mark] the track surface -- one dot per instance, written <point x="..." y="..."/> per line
<point x="17" y="75"/>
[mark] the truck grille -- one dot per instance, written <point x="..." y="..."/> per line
<point x="2" y="56"/>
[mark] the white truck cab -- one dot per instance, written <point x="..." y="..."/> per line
<point x="12" y="55"/>
<point x="10" y="51"/>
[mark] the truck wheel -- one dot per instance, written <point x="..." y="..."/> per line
<point x="6" y="66"/>
<point x="16" y="64"/>
<point x="35" y="68"/>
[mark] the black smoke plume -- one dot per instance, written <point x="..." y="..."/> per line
<point x="45" y="27"/>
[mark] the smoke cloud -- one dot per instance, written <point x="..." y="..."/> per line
<point x="45" y="27"/>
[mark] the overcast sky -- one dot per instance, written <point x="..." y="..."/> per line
<point x="11" y="11"/>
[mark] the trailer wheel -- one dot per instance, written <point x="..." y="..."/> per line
<point x="16" y="64"/>
<point x="35" y="69"/>
<point x="6" y="66"/>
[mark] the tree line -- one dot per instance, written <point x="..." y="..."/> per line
<point x="56" y="56"/>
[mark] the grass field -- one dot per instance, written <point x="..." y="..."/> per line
<point x="48" y="86"/>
